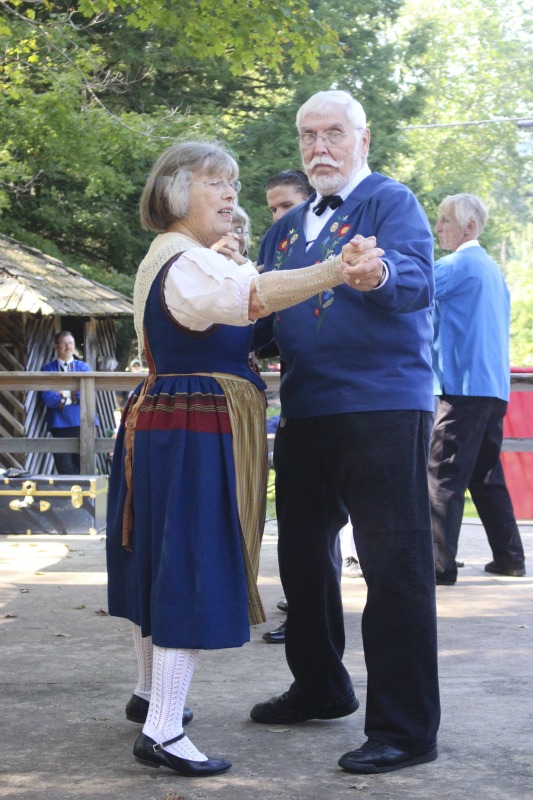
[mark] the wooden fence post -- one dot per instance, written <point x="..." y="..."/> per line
<point x="87" y="426"/>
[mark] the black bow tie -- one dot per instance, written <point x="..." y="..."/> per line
<point x="332" y="200"/>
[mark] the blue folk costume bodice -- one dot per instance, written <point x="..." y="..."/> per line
<point x="171" y="348"/>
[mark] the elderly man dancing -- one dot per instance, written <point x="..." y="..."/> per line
<point x="357" y="410"/>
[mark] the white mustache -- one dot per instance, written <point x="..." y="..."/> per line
<point x="326" y="160"/>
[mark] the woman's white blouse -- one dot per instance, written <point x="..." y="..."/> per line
<point x="203" y="288"/>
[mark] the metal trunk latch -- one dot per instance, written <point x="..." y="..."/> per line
<point x="28" y="490"/>
<point x="76" y="494"/>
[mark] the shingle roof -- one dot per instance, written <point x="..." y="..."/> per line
<point x="36" y="283"/>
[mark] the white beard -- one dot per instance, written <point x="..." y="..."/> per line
<point x="332" y="182"/>
<point x="327" y="184"/>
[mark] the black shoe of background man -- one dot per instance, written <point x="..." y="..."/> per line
<point x="510" y="572"/>
<point x="441" y="579"/>
<point x="282" y="710"/>
<point x="277" y="636"/>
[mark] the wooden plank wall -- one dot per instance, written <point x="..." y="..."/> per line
<point x="12" y="357"/>
<point x="105" y="342"/>
<point x="40" y="333"/>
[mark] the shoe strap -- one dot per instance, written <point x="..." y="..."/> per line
<point x="157" y="747"/>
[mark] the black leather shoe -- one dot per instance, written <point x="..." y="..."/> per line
<point x="282" y="711"/>
<point x="137" y="709"/>
<point x="511" y="572"/>
<point x="277" y="636"/>
<point x="147" y="752"/>
<point x="375" y="757"/>
<point x="283" y="605"/>
<point x="441" y="580"/>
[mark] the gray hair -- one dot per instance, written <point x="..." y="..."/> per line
<point x="323" y="103"/>
<point x="165" y="196"/>
<point x="466" y="207"/>
<point x="241" y="218"/>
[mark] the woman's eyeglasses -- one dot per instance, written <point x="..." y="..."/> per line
<point x="221" y="186"/>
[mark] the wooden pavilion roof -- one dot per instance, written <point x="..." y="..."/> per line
<point x="33" y="282"/>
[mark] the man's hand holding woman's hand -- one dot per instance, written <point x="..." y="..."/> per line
<point x="363" y="265"/>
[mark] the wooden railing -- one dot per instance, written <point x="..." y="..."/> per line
<point x="93" y="441"/>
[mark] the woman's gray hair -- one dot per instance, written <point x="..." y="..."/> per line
<point x="323" y="103"/>
<point x="165" y="196"/>
<point x="240" y="217"/>
<point x="465" y="207"/>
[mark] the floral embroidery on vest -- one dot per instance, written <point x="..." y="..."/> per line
<point x="284" y="248"/>
<point x="331" y="246"/>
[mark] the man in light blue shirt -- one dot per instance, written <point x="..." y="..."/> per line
<point x="471" y="366"/>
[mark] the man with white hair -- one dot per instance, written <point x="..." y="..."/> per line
<point x="63" y="408"/>
<point x="471" y="365"/>
<point x="356" y="417"/>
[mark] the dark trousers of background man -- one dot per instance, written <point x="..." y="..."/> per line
<point x="67" y="463"/>
<point x="372" y="466"/>
<point x="465" y="454"/>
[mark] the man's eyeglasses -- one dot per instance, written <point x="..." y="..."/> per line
<point x="221" y="186"/>
<point x="333" y="136"/>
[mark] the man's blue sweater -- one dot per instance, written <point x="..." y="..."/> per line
<point x="347" y="350"/>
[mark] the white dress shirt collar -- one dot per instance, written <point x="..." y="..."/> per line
<point x="471" y="243"/>
<point x="313" y="224"/>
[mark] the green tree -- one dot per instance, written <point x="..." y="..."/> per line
<point x="90" y="92"/>
<point x="266" y="140"/>
<point x="519" y="275"/>
<point x="476" y="74"/>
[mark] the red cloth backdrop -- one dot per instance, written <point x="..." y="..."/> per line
<point x="518" y="467"/>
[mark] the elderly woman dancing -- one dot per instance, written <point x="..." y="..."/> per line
<point x="188" y="483"/>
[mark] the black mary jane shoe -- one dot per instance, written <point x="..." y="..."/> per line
<point x="151" y="754"/>
<point x="137" y="710"/>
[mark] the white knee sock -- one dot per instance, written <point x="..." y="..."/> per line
<point x="144" y="653"/>
<point x="171" y="675"/>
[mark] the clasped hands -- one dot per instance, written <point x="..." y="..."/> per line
<point x="363" y="267"/>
